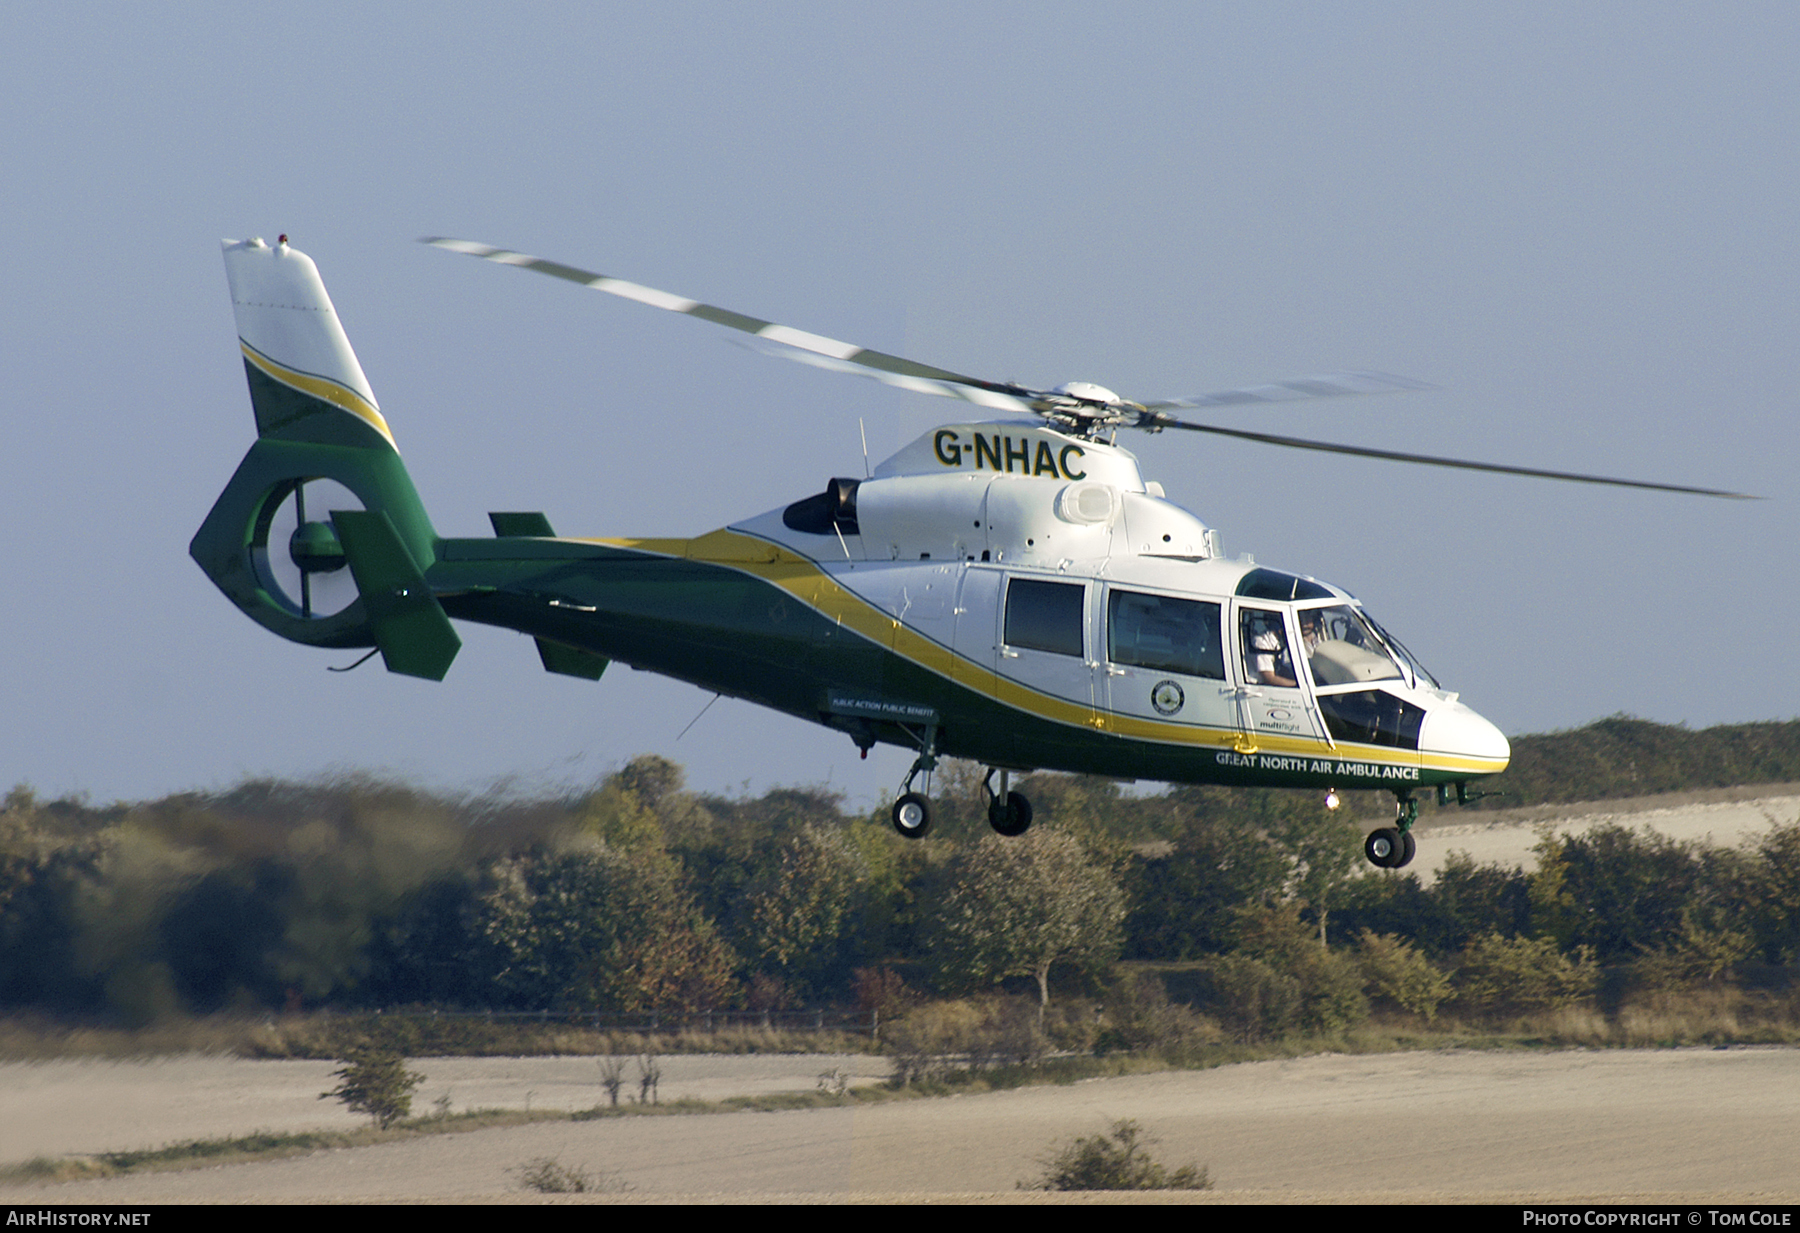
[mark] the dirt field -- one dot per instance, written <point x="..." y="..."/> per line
<point x="1718" y="1124"/>
<point x="1680" y="1124"/>
<point x="1724" y="816"/>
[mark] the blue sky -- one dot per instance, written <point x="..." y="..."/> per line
<point x="1577" y="221"/>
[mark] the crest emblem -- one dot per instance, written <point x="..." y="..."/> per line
<point x="1167" y="697"/>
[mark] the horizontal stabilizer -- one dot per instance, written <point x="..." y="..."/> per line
<point x="558" y="657"/>
<point x="521" y="525"/>
<point x="411" y="630"/>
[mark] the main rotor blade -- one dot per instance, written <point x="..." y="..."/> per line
<point x="1069" y="408"/>
<point x="794" y="344"/>
<point x="1161" y="421"/>
<point x="980" y="395"/>
<point x="1324" y="385"/>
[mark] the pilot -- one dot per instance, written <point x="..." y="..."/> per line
<point x="1310" y="631"/>
<point x="1269" y="658"/>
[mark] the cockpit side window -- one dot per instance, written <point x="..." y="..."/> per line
<point x="1045" y="616"/>
<point x="1266" y="658"/>
<point x="1165" y="634"/>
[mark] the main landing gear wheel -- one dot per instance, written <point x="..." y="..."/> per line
<point x="912" y="815"/>
<point x="1013" y="817"/>
<point x="1009" y="813"/>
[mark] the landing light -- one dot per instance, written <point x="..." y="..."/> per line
<point x="1332" y="800"/>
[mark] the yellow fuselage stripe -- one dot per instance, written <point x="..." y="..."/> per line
<point x="322" y="388"/>
<point x="803" y="578"/>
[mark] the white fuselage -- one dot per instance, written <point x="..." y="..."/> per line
<point x="1047" y="560"/>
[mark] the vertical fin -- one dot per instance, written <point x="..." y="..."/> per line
<point x="305" y="381"/>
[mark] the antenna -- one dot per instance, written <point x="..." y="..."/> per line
<point x="865" y="440"/>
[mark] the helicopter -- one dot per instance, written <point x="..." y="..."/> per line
<point x="1013" y="592"/>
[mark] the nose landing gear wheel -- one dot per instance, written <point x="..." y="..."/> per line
<point x="1393" y="847"/>
<point x="1385" y="848"/>
<point x="912" y="815"/>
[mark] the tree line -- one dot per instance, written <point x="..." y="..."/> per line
<point x="1254" y="906"/>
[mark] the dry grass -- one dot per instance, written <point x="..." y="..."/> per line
<point x="1652" y="1020"/>
<point x="267" y="1145"/>
<point x="332" y="1036"/>
<point x="36" y="1038"/>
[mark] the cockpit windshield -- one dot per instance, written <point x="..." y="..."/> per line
<point x="1344" y="647"/>
<point x="1420" y="675"/>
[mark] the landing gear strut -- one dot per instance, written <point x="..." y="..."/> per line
<point x="1009" y="813"/>
<point x="1393" y="847"/>
<point x="912" y="812"/>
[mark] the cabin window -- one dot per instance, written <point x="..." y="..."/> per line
<point x="1045" y="616"/>
<point x="1164" y="634"/>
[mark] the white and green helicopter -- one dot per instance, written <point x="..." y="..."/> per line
<point x="1012" y="592"/>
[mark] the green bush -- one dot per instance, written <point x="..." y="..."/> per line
<point x="1252" y="1000"/>
<point x="1117" y="1160"/>
<point x="1329" y="982"/>
<point x="1519" y="974"/>
<point x="1138" y="1016"/>
<point x="376" y="1083"/>
<point x="937" y="1039"/>
<point x="1396" y="972"/>
<point x="1701" y="954"/>
<point x="1775" y="892"/>
<point x="548" y="1175"/>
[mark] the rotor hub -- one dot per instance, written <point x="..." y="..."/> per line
<point x="314" y="547"/>
<point x="1087" y="391"/>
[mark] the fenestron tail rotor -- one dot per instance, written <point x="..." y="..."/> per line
<point x="297" y="552"/>
<point x="1078" y="406"/>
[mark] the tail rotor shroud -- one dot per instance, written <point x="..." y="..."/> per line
<point x="299" y="554"/>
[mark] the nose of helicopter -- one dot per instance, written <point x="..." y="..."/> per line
<point x="1460" y="732"/>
